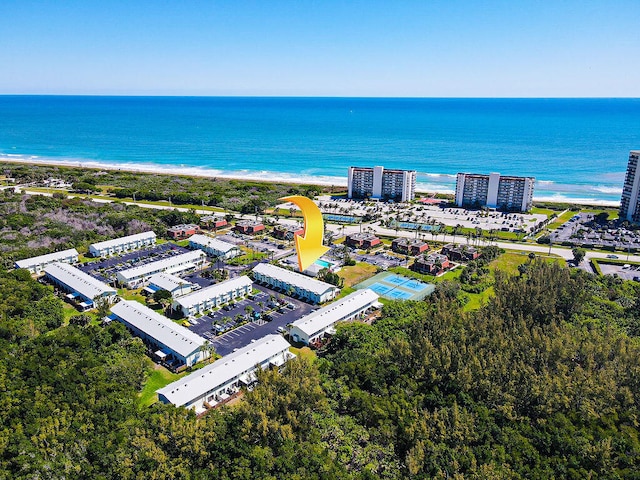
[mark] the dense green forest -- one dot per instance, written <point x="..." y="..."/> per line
<point x="542" y="382"/>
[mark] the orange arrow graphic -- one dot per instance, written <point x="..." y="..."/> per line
<point x="309" y="244"/>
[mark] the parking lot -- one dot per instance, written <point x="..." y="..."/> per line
<point x="382" y="260"/>
<point x="626" y="272"/>
<point x="242" y="336"/>
<point x="105" y="270"/>
<point x="198" y="279"/>
<point x="585" y="229"/>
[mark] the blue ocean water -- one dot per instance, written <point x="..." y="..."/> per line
<point x="576" y="148"/>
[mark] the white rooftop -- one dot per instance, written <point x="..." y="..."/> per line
<point x="77" y="280"/>
<point x="326" y="316"/>
<point x="167" y="281"/>
<point x="213" y="243"/>
<point x="293" y="278"/>
<point x="160" y="265"/>
<point x="221" y="371"/>
<point x="49" y="257"/>
<point x="213" y="291"/>
<point x="176" y="337"/>
<point x="114" y="242"/>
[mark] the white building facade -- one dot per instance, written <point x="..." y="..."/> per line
<point x="213" y="296"/>
<point x="84" y="290"/>
<point x="216" y="382"/>
<point x="174" y="343"/>
<point x="117" y="246"/>
<point x="171" y="283"/>
<point x="381" y="183"/>
<point x="38" y="264"/>
<point x="495" y="191"/>
<point x="297" y="284"/>
<point x="316" y="325"/>
<point x="630" y="201"/>
<point x="213" y="246"/>
<point x="139" y="276"/>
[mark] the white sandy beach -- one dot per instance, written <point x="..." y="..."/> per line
<point x="261" y="176"/>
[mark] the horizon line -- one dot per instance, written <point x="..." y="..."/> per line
<point x="132" y="95"/>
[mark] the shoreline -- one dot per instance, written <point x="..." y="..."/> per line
<point x="189" y="171"/>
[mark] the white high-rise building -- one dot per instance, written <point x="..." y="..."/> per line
<point x="381" y="183"/>
<point x="630" y="202"/>
<point x="494" y="191"/>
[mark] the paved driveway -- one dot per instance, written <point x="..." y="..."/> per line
<point x="242" y="336"/>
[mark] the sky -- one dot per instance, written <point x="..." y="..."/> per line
<point x="395" y="48"/>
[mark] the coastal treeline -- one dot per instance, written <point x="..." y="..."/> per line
<point x="243" y="196"/>
<point x="541" y="382"/>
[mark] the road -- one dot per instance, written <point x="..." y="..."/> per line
<point x="564" y="252"/>
<point x="378" y="229"/>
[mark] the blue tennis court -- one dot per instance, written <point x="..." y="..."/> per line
<point x="425" y="227"/>
<point x="406" y="282"/>
<point x="397" y="287"/>
<point x="333" y="217"/>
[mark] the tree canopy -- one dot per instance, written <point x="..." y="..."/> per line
<point x="541" y="382"/>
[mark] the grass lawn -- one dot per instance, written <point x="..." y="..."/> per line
<point x="357" y="273"/>
<point x="132" y="295"/>
<point x="508" y="262"/>
<point x="611" y="212"/>
<point x="561" y="220"/>
<point x="476" y="300"/>
<point x="304" y="352"/>
<point x="68" y="311"/>
<point x="158" y="378"/>
<point x="248" y="257"/>
<point x="544" y="211"/>
<point x="344" y="292"/>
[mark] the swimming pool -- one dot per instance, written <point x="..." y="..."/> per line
<point x="323" y="263"/>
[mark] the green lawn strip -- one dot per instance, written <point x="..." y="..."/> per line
<point x="304" y="352"/>
<point x="132" y="295"/>
<point x="543" y="211"/>
<point x="158" y="378"/>
<point x="68" y="311"/>
<point x="561" y="220"/>
<point x="161" y="377"/>
<point x="247" y="258"/>
<point x="612" y="213"/>
<point x="357" y="273"/>
<point x="476" y="300"/>
<point x="344" y="292"/>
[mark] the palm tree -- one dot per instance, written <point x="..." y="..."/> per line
<point x="207" y="350"/>
<point x="478" y="234"/>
